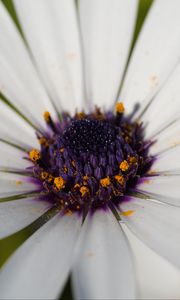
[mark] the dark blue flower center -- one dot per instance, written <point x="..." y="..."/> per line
<point x="89" y="136"/>
<point x="90" y="160"/>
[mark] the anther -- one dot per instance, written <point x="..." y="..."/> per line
<point x="49" y="121"/>
<point x="119" y="179"/>
<point x="59" y="183"/>
<point x="124" y="166"/>
<point x="120" y="107"/>
<point x="84" y="190"/>
<point x="105" y="182"/>
<point x="44" y="175"/>
<point x="43" y="142"/>
<point x="34" y="155"/>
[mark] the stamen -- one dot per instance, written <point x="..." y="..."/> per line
<point x="44" y="175"/>
<point x="49" y="121"/>
<point x="59" y="183"/>
<point x="124" y="166"/>
<point x="120" y="107"/>
<point x="84" y="190"/>
<point x="105" y="182"/>
<point x="90" y="160"/>
<point x="43" y="142"/>
<point x="34" y="155"/>
<point x="120" y="179"/>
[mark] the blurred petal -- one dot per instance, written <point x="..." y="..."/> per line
<point x="155" y="55"/>
<point x="18" y="79"/>
<point x="16" y="215"/>
<point x="53" y="38"/>
<point x="167" y="161"/>
<point x="156" y="224"/>
<point x="11" y="157"/>
<point x="165" y="106"/>
<point x="167" y="137"/>
<point x="163" y="188"/>
<point x="14" y="129"/>
<point x="156" y="277"/>
<point x="103" y="268"/>
<point x="107" y="28"/>
<point x="13" y="184"/>
<point x="43" y="261"/>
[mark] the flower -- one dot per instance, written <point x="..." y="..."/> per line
<point x="76" y="58"/>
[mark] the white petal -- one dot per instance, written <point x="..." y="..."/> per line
<point x="103" y="268"/>
<point x="163" y="188"/>
<point x="15" y="215"/>
<point x="107" y="28"/>
<point x="168" y="136"/>
<point x="156" y="224"/>
<point x="155" y="55"/>
<point x="40" y="266"/>
<point x="18" y="79"/>
<point x="167" y="161"/>
<point x="52" y="33"/>
<point x="13" y="184"/>
<point x="11" y="157"/>
<point x="14" y="129"/>
<point x="165" y="106"/>
<point x="156" y="277"/>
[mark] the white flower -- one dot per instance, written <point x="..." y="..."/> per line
<point x="76" y="58"/>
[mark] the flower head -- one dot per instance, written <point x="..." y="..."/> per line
<point x="93" y="147"/>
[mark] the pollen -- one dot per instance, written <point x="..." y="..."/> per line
<point x="43" y="142"/>
<point x="119" y="179"/>
<point x="84" y="190"/>
<point x="127" y="213"/>
<point x="50" y="178"/>
<point x="46" y="116"/>
<point x="120" y="107"/>
<point x="61" y="150"/>
<point x="132" y="159"/>
<point x="44" y="175"/>
<point x="124" y="166"/>
<point x="34" y="155"/>
<point x="80" y="115"/>
<point x="59" y="183"/>
<point x="18" y="182"/>
<point x="105" y="182"/>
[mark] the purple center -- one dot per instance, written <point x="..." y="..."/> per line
<point x="91" y="160"/>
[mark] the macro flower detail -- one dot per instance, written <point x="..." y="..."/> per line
<point x="89" y="150"/>
<point x="91" y="161"/>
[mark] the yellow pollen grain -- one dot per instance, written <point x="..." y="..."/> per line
<point x="65" y="169"/>
<point x="46" y="116"/>
<point x="77" y="186"/>
<point x="132" y="159"/>
<point x="84" y="190"/>
<point x="43" y="142"/>
<point x="85" y="177"/>
<point x="80" y="115"/>
<point x="59" y="183"/>
<point x="44" y="175"/>
<point x="61" y="150"/>
<point x="105" y="182"/>
<point x="73" y="163"/>
<point x="50" y="178"/>
<point x="120" y="179"/>
<point x="68" y="212"/>
<point x="34" y="155"/>
<point x="18" y="182"/>
<point x="120" y="107"/>
<point x="124" y="166"/>
<point x="128" y="213"/>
